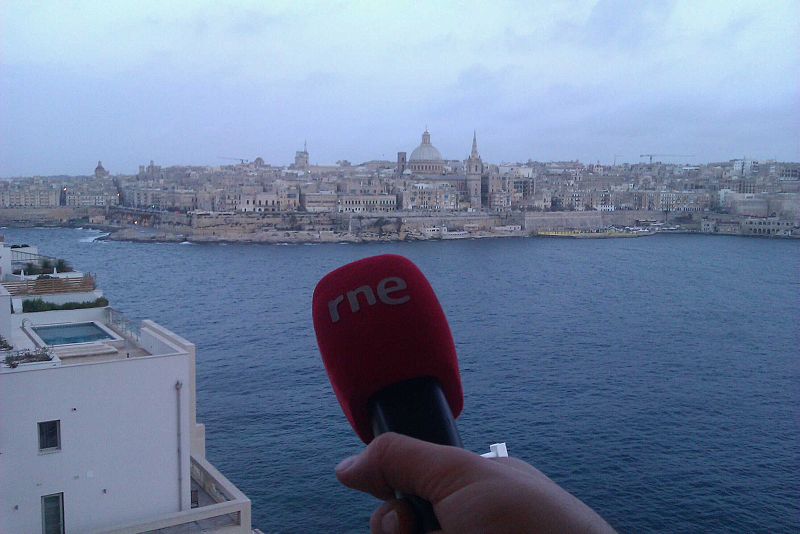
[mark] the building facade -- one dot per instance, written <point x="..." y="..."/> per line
<point x="99" y="431"/>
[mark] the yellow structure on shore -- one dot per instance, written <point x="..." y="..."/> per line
<point x="591" y="235"/>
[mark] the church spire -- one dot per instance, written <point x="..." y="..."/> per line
<point x="474" y="153"/>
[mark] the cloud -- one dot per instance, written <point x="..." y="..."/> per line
<point x="181" y="83"/>
<point x="252" y="22"/>
<point x="626" y="26"/>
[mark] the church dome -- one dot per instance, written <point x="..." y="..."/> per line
<point x="425" y="151"/>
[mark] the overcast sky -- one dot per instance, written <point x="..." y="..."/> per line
<point x="188" y="82"/>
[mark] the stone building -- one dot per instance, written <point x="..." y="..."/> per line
<point x="474" y="171"/>
<point x="99" y="171"/>
<point x="425" y="159"/>
<point x="301" y="158"/>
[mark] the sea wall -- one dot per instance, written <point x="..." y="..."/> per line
<point x="42" y="216"/>
<point x="585" y="220"/>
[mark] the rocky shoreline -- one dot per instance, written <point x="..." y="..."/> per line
<point x="310" y="229"/>
<point x="280" y="237"/>
<point x="321" y="237"/>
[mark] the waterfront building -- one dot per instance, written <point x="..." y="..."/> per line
<point x="771" y="226"/>
<point x="720" y="226"/>
<point x="90" y="192"/>
<point x="751" y="226"/>
<point x="142" y="197"/>
<point x="260" y="203"/>
<point x="98" y="431"/>
<point x="282" y="199"/>
<point x="376" y="203"/>
<point x="30" y="193"/>
<point x="319" y="202"/>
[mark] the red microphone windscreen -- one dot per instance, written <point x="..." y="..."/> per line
<point x="378" y="322"/>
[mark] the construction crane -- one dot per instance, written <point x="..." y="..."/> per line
<point x="240" y="160"/>
<point x="666" y="156"/>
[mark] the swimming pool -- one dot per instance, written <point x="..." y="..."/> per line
<point x="66" y="334"/>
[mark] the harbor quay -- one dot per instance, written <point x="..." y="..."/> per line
<point x="126" y="224"/>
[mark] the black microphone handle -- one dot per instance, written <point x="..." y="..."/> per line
<point x="416" y="408"/>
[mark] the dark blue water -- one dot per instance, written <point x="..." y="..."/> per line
<point x="658" y="378"/>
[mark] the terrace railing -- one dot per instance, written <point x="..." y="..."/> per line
<point x="124" y="326"/>
<point x="229" y="515"/>
<point x="46" y="286"/>
<point x="18" y="256"/>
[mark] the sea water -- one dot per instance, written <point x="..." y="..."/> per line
<point x="655" y="378"/>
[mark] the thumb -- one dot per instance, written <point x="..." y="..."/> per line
<point x="393" y="517"/>
<point x="393" y="462"/>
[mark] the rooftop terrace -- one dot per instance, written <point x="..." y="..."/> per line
<point x="50" y="285"/>
<point x="128" y="339"/>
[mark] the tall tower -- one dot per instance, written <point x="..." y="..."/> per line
<point x="100" y="171"/>
<point x="401" y="163"/>
<point x="301" y="158"/>
<point x="474" y="168"/>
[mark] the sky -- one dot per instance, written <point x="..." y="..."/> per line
<point x="193" y="82"/>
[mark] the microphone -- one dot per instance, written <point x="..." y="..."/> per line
<point x="390" y="355"/>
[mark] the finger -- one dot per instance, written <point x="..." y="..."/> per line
<point x="517" y="464"/>
<point x="393" y="517"/>
<point x="393" y="462"/>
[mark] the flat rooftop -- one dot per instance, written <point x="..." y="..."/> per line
<point x="125" y="339"/>
<point x="97" y="352"/>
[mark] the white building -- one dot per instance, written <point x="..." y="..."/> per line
<point x="98" y="431"/>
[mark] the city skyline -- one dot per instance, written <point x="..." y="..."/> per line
<point x="185" y="84"/>
<point x="287" y="162"/>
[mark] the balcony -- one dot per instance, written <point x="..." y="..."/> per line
<point x="221" y="508"/>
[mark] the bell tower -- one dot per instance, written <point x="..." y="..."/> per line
<point x="474" y="167"/>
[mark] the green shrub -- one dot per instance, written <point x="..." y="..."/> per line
<point x="39" y="305"/>
<point x="45" y="266"/>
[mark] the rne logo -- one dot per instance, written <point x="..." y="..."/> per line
<point x="386" y="288"/>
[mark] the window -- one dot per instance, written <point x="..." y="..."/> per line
<point x="53" y="514"/>
<point x="50" y="435"/>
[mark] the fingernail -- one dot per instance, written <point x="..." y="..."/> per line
<point x="345" y="464"/>
<point x="390" y="523"/>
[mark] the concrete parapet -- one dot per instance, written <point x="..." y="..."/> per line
<point x="585" y="220"/>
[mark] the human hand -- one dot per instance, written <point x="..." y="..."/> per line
<point x="468" y="493"/>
